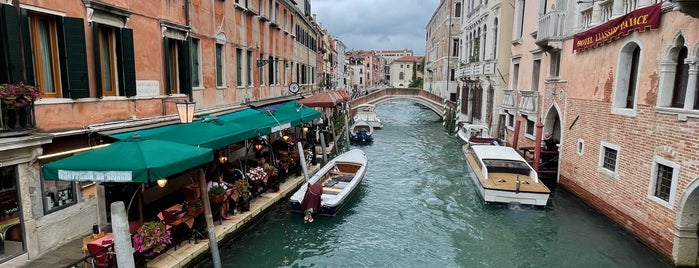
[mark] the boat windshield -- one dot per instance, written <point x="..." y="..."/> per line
<point x="507" y="166"/>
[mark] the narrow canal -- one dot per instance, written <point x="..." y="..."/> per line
<point x="417" y="207"/>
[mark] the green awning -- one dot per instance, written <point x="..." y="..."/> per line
<point x="131" y="160"/>
<point x="211" y="133"/>
<point x="287" y="115"/>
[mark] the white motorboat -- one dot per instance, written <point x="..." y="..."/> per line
<point x="474" y="134"/>
<point x="502" y="175"/>
<point x="367" y="113"/>
<point x="334" y="183"/>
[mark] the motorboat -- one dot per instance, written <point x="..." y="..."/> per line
<point x="332" y="186"/>
<point x="474" y="134"/>
<point x="502" y="175"/>
<point x="361" y="132"/>
<point x="367" y="113"/>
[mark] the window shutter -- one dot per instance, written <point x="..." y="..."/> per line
<point x="75" y="58"/>
<point x="185" y="68"/>
<point x="127" y="64"/>
<point x="28" y="59"/>
<point x="11" y="58"/>
<point x="96" y="53"/>
<point x="168" y="66"/>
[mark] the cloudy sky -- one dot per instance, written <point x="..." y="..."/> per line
<point x="376" y="24"/>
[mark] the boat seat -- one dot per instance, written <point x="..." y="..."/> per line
<point x="345" y="178"/>
<point x="330" y="190"/>
<point x="341" y="184"/>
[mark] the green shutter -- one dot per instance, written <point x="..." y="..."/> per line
<point x="185" y="68"/>
<point x="97" y="63"/>
<point x="75" y="58"/>
<point x="127" y="72"/>
<point x="11" y="59"/>
<point x="167" y="67"/>
<point x="28" y="53"/>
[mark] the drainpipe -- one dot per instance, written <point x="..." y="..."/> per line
<point x="188" y="22"/>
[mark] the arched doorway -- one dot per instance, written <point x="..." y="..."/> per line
<point x="685" y="249"/>
<point x="552" y="122"/>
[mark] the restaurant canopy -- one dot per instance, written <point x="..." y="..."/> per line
<point x="135" y="159"/>
<point x="323" y="99"/>
<point x="344" y="94"/>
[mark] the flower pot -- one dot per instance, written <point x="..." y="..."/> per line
<point x="217" y="199"/>
<point x="244" y="205"/>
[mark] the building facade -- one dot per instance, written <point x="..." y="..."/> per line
<point x="388" y="56"/>
<point x="442" y="50"/>
<point x="484" y="60"/>
<point x="403" y="71"/>
<point x="113" y="65"/>
<point x="631" y="120"/>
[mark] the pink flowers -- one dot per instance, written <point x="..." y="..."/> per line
<point x="152" y="235"/>
<point x="256" y="174"/>
<point x="18" y="95"/>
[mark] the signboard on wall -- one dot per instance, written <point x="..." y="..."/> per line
<point x="639" y="19"/>
<point x="145" y="88"/>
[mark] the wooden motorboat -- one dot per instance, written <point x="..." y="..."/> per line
<point x="367" y="113"/>
<point x="502" y="175"/>
<point x="334" y="183"/>
<point x="361" y="132"/>
<point x="474" y="134"/>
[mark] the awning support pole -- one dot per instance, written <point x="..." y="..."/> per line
<point x="213" y="245"/>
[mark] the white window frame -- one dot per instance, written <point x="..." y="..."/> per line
<point x="199" y="71"/>
<point x="580" y="147"/>
<point x="654" y="180"/>
<point x="621" y="84"/>
<point x="613" y="174"/>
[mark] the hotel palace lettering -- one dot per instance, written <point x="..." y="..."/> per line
<point x="648" y="17"/>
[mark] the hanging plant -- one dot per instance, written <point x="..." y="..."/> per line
<point x="18" y="95"/>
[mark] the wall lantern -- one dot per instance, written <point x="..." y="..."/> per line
<point x="258" y="146"/>
<point x="185" y="110"/>
<point x="222" y="157"/>
<point x="162" y="182"/>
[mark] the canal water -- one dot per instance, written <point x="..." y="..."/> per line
<point x="417" y="207"/>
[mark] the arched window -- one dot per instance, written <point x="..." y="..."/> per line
<point x="401" y="76"/>
<point x="627" y="73"/>
<point x="676" y="76"/>
<point x="679" y="89"/>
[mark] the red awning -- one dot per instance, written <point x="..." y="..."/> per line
<point x="344" y="94"/>
<point x="323" y="99"/>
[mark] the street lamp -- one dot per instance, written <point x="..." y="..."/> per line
<point x="185" y="110"/>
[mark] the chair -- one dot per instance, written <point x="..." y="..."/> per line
<point x="101" y="256"/>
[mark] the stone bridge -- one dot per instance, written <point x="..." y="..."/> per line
<point x="443" y="108"/>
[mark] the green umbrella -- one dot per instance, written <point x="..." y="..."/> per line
<point x="132" y="160"/>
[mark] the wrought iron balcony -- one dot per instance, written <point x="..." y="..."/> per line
<point x="16" y="121"/>
<point x="551" y="30"/>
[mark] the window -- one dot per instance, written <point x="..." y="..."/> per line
<point x="510" y="120"/>
<point x="196" y="62"/>
<point x="515" y="76"/>
<point x="529" y="128"/>
<point x="608" y="159"/>
<point x="400" y="76"/>
<point x="452" y="74"/>
<point x="239" y="67"/>
<point x="663" y="185"/>
<point x="495" y="39"/>
<point x="625" y="90"/>
<point x="477" y="105"/>
<point x="554" y="68"/>
<point x="261" y="73"/>
<point x="519" y="20"/>
<point x="106" y="44"/>
<point x="580" y="148"/>
<point x="679" y="90"/>
<point x="220" y="65"/>
<point x="536" y="69"/>
<point x="270" y="69"/>
<point x="455" y="47"/>
<point x="45" y="45"/>
<point x="457" y="10"/>
<point x="177" y="59"/>
<point x="10" y="205"/>
<point x="249" y="61"/>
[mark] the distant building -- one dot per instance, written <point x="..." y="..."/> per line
<point x="442" y="50"/>
<point x="402" y="70"/>
<point x="388" y="56"/>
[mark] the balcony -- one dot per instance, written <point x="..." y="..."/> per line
<point x="529" y="103"/>
<point x="473" y="69"/>
<point x="509" y="99"/>
<point x="17" y="121"/>
<point x="551" y="30"/>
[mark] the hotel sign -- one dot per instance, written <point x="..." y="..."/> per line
<point x="639" y="19"/>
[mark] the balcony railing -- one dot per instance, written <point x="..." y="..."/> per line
<point x="476" y="69"/>
<point x="17" y="121"/>
<point x="529" y="102"/>
<point x="551" y="30"/>
<point x="509" y="99"/>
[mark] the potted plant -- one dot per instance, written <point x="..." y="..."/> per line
<point x="153" y="236"/>
<point x="217" y="193"/>
<point x="194" y="206"/>
<point x="241" y="191"/>
<point x="18" y="95"/>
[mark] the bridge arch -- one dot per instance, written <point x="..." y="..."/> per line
<point x="435" y="103"/>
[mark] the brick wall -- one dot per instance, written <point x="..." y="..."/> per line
<point x="625" y="197"/>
